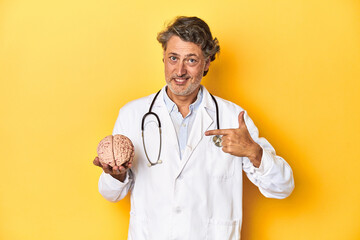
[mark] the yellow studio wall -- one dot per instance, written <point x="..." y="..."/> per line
<point x="66" y="67"/>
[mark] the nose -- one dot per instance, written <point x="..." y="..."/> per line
<point x="181" y="69"/>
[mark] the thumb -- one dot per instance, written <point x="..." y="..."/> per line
<point x="241" y="118"/>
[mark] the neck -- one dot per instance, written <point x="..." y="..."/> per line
<point x="183" y="102"/>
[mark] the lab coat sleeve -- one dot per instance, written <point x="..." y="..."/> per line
<point x="112" y="189"/>
<point x="274" y="177"/>
<point x="109" y="187"/>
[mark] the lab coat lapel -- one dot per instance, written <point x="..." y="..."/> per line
<point x="202" y="123"/>
<point x="169" y="139"/>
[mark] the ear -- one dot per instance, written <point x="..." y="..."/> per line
<point x="207" y="64"/>
<point x="163" y="56"/>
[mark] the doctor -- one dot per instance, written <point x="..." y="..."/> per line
<point x="195" y="192"/>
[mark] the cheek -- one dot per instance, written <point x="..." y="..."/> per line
<point x="168" y="69"/>
<point x="198" y="73"/>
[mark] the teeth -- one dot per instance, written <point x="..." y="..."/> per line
<point x="180" y="80"/>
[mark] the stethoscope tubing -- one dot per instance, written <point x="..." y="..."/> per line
<point x="216" y="139"/>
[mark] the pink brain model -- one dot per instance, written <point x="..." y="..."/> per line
<point x="115" y="150"/>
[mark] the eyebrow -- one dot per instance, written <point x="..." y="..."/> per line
<point x="187" y="55"/>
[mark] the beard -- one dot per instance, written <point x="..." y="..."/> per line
<point x="183" y="90"/>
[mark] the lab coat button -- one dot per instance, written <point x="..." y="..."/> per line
<point x="178" y="210"/>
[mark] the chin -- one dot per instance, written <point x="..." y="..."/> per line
<point x="182" y="92"/>
<point x="176" y="91"/>
<point x="179" y="93"/>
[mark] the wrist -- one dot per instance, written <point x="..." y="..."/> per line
<point x="256" y="155"/>
<point x="119" y="177"/>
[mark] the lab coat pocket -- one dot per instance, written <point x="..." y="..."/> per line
<point x="138" y="227"/>
<point x="223" y="229"/>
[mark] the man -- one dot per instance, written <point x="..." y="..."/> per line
<point x="195" y="191"/>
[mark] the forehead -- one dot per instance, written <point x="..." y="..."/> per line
<point x="180" y="47"/>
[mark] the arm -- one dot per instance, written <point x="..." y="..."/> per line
<point x="116" y="182"/>
<point x="262" y="166"/>
<point x="274" y="176"/>
<point x="114" y="190"/>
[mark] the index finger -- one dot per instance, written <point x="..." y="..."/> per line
<point x="217" y="132"/>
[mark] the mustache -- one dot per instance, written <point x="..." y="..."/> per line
<point x="184" y="76"/>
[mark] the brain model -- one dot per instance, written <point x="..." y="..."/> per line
<point x="115" y="150"/>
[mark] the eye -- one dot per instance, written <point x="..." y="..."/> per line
<point x="192" y="60"/>
<point x="172" y="58"/>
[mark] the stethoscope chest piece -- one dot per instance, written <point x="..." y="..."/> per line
<point x="217" y="140"/>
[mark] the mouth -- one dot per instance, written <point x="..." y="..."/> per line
<point x="181" y="81"/>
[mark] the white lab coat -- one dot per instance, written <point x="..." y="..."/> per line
<point x="200" y="195"/>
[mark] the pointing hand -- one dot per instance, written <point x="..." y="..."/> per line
<point x="238" y="142"/>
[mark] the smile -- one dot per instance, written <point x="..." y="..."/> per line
<point x="180" y="80"/>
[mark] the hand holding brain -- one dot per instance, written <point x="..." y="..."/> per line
<point x="115" y="150"/>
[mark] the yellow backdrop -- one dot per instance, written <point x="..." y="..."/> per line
<point x="66" y="67"/>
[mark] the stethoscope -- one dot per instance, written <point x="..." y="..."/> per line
<point x="216" y="139"/>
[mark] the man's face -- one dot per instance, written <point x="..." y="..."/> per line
<point x="184" y="66"/>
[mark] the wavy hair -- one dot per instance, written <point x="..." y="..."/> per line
<point x="191" y="29"/>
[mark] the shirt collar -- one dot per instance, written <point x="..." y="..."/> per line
<point x="171" y="106"/>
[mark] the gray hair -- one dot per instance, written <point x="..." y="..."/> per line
<point x="191" y="29"/>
